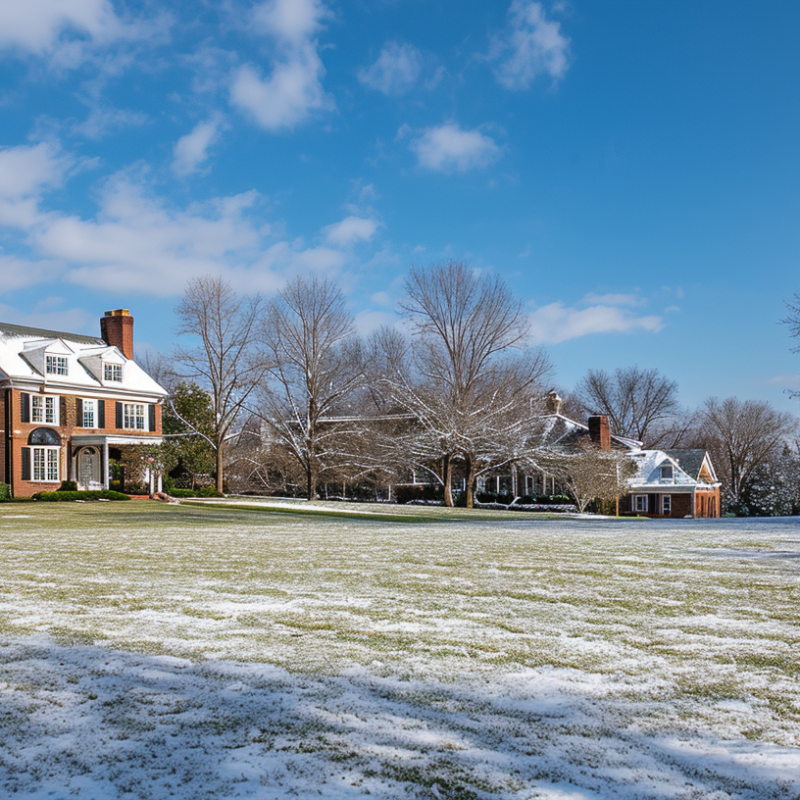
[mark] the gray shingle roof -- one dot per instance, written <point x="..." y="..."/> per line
<point x="689" y="461"/>
<point x="42" y="333"/>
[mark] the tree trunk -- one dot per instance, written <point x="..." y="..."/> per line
<point x="219" y="468"/>
<point x="311" y="480"/>
<point x="447" y="479"/>
<point x="470" y="481"/>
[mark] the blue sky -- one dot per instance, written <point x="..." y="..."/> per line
<point x="629" y="168"/>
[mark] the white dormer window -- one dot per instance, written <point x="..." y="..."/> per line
<point x="112" y="372"/>
<point x="56" y="365"/>
<point x="667" y="473"/>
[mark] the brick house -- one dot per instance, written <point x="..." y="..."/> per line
<point x="667" y="483"/>
<point x="672" y="483"/>
<point x="70" y="405"/>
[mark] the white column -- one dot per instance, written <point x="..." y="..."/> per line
<point x="106" y="470"/>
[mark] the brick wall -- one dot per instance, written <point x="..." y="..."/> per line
<point x="67" y="427"/>
<point x="3" y="447"/>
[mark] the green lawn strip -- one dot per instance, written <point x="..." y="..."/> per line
<point x="447" y="516"/>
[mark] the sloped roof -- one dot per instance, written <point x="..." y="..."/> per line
<point x="690" y="461"/>
<point x="19" y="344"/>
<point x="41" y="333"/>
<point x="563" y="431"/>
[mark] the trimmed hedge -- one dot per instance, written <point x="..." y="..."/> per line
<point x="206" y="491"/>
<point x="5" y="492"/>
<point x="65" y="497"/>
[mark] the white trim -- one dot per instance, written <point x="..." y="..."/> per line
<point x="56" y="409"/>
<point x="47" y="462"/>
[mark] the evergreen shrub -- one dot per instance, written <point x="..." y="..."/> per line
<point x="63" y="497"/>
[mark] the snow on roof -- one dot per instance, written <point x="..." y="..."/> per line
<point x="23" y="350"/>
<point x="648" y="470"/>
<point x="557" y="428"/>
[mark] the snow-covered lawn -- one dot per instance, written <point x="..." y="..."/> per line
<point x="208" y="652"/>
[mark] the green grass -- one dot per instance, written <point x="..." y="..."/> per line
<point x="422" y="593"/>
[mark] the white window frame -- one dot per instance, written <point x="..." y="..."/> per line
<point x="45" y="464"/>
<point x="666" y="504"/>
<point x="667" y="468"/>
<point x="56" y="365"/>
<point x="132" y="415"/>
<point x="44" y="409"/>
<point x="112" y="373"/>
<point x="640" y="503"/>
<point x="90" y="415"/>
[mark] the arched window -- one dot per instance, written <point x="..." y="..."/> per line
<point x="44" y="436"/>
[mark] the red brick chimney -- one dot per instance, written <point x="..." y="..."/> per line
<point x="600" y="432"/>
<point x="116" y="328"/>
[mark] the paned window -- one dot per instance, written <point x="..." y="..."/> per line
<point x="133" y="416"/>
<point x="45" y="464"/>
<point x="112" y="372"/>
<point x="667" y="473"/>
<point x="44" y="409"/>
<point x="666" y="504"/>
<point x="640" y="503"/>
<point x="55" y="365"/>
<point x="89" y="414"/>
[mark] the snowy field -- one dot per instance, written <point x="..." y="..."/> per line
<point x="149" y="651"/>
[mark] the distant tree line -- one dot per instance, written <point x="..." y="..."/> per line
<point x="283" y="396"/>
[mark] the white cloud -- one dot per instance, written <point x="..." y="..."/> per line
<point x="66" y="30"/>
<point x="290" y="20"/>
<point x="35" y="25"/>
<point x="369" y="321"/>
<point x="350" y="230"/>
<point x="449" y="148"/>
<point x="19" y="273"/>
<point x="293" y="90"/>
<point x="531" y="46"/>
<point x="557" y="322"/>
<point x="25" y="171"/>
<point x="104" y="120"/>
<point x="192" y="150"/>
<point x="71" y="319"/>
<point x="397" y="69"/>
<point x="139" y="244"/>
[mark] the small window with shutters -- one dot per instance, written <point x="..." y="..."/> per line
<point x="44" y="409"/>
<point x="87" y="413"/>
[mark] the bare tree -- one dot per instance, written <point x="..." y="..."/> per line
<point x="793" y="321"/>
<point x="158" y="367"/>
<point x="471" y="395"/>
<point x="222" y="362"/>
<point x="639" y="403"/>
<point x="313" y="366"/>
<point x="590" y="473"/>
<point x="742" y="436"/>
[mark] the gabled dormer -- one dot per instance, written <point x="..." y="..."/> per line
<point x="106" y="365"/>
<point x="51" y="358"/>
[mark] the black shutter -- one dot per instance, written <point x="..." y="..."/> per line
<point x="101" y="413"/>
<point x="119" y="415"/>
<point x="152" y="420"/>
<point x="25" y="407"/>
<point x="79" y="412"/>
<point x="62" y="413"/>
<point x="26" y="463"/>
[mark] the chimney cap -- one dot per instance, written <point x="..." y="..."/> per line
<point x="118" y="312"/>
